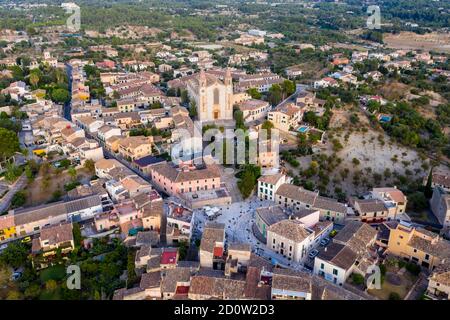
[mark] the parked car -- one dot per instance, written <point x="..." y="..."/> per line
<point x="313" y="253"/>
<point x="324" y="242"/>
<point x="26" y="240"/>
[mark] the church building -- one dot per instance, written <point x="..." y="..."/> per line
<point x="213" y="97"/>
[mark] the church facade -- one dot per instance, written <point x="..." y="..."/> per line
<point x="213" y="97"/>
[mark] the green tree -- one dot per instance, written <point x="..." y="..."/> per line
<point x="254" y="93"/>
<point x="77" y="237"/>
<point x="182" y="249"/>
<point x="239" y="118"/>
<point x="15" y="255"/>
<point x="9" y="143"/>
<point x="248" y="179"/>
<point x="288" y="88"/>
<point x="417" y="201"/>
<point x="14" y="295"/>
<point x="51" y="285"/>
<point x="34" y="79"/>
<point x="275" y="94"/>
<point x="12" y="172"/>
<point x="90" y="166"/>
<point x="19" y="199"/>
<point x="60" y="95"/>
<point x="184" y="97"/>
<point x="132" y="277"/>
<point x="268" y="126"/>
<point x="72" y="173"/>
<point x="193" y="110"/>
<point x="32" y="291"/>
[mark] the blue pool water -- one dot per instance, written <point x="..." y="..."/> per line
<point x="303" y="129"/>
<point x="385" y="118"/>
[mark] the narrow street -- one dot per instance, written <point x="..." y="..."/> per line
<point x="18" y="185"/>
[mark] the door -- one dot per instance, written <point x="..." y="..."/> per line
<point x="216" y="114"/>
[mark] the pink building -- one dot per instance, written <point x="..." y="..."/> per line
<point x="178" y="180"/>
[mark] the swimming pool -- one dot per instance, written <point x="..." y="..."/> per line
<point x="385" y="118"/>
<point x="303" y="129"/>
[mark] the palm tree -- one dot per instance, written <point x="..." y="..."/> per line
<point x="34" y="79"/>
<point x="59" y="74"/>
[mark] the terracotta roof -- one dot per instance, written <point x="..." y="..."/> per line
<point x="57" y="234"/>
<point x="441" y="179"/>
<point x="46" y="211"/>
<point x="253" y="289"/>
<point x="438" y="247"/>
<point x="105" y="164"/>
<point x="289" y="280"/>
<point x="340" y="255"/>
<point x="213" y="232"/>
<point x="357" y="235"/>
<point x="149" y="238"/>
<point x="441" y="274"/>
<point x="171" y="277"/>
<point x="217" y="287"/>
<point x="169" y="256"/>
<point x="290" y="229"/>
<point x="370" y="205"/>
<point x="252" y="104"/>
<point x="297" y="193"/>
<point x="271" y="179"/>
<point x="178" y="175"/>
<point x="271" y="215"/>
<point x="135" y="141"/>
<point x="150" y="280"/>
<point x="310" y="198"/>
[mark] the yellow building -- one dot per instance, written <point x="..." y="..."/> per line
<point x="418" y="245"/>
<point x="7" y="227"/>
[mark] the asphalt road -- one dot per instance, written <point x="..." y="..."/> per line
<point x="17" y="186"/>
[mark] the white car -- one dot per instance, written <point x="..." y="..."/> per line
<point x="324" y="242"/>
<point x="313" y="254"/>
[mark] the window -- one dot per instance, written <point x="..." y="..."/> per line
<point x="216" y="96"/>
<point x="273" y="240"/>
<point x="427" y="257"/>
<point x="335" y="272"/>
<point x="322" y="266"/>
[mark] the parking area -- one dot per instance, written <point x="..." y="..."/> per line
<point x="238" y="219"/>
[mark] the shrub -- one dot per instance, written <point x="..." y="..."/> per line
<point x="19" y="199"/>
<point x="413" y="268"/>
<point x="383" y="269"/>
<point x="357" y="279"/>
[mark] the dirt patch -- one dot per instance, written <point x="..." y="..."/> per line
<point x="378" y="158"/>
<point x="39" y="193"/>
<point x="439" y="42"/>
<point x="394" y="90"/>
<point x="393" y="279"/>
